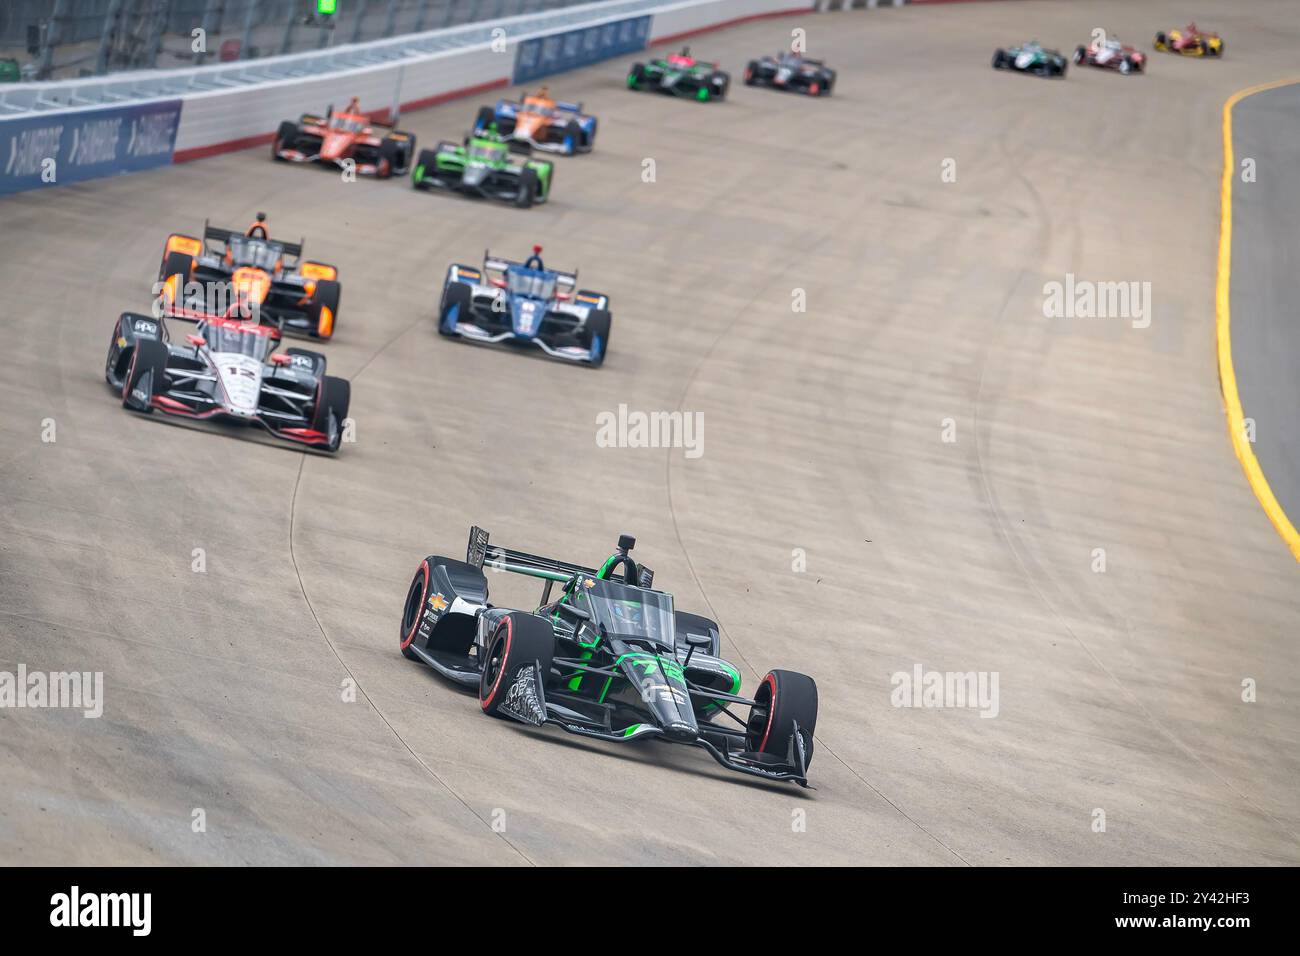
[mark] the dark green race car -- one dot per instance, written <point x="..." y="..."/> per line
<point x="610" y="657"/>
<point x="1032" y="57"/>
<point x="680" y="75"/>
<point x="483" y="166"/>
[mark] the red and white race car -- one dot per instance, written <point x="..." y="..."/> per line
<point x="1111" y="54"/>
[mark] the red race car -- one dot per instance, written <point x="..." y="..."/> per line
<point x="1190" y="41"/>
<point x="339" y="138"/>
<point x="1112" y="55"/>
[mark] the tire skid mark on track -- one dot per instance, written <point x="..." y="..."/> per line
<point x="821" y="741"/>
<point x="1030" y="578"/>
<point x="293" y="516"/>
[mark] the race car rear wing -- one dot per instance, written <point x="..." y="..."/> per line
<point x="292" y="250"/>
<point x="481" y="554"/>
<point x="564" y="281"/>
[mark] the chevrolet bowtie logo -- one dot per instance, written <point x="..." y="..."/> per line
<point x="438" y="602"/>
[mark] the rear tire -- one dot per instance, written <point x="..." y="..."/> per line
<point x="486" y="116"/>
<point x="636" y="76"/>
<point x="462" y="297"/>
<point x="518" y="641"/>
<point x="782" y="699"/>
<point x="326" y="297"/>
<point x="750" y="68"/>
<point x="148" y="358"/>
<point x="999" y="59"/>
<point x="335" y="397"/>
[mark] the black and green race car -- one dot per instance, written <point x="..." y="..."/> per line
<point x="1031" y="57"/>
<point x="483" y="166"/>
<point x="680" y="75"/>
<point x="609" y="658"/>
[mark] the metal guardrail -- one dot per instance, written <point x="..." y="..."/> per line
<point x="61" y="39"/>
<point x="141" y="85"/>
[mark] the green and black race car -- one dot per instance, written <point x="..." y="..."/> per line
<point x="1030" y="58"/>
<point x="610" y="657"/>
<point x="680" y="75"/>
<point x="483" y="166"/>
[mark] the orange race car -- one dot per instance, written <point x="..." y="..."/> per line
<point x="376" y="148"/>
<point x="541" y="122"/>
<point x="246" y="276"/>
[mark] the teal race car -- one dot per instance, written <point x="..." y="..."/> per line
<point x="484" y="166"/>
<point x="1033" y="58"/>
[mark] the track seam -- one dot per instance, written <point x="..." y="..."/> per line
<point x="990" y="500"/>
<point x="293" y="515"/>
<point x="690" y="565"/>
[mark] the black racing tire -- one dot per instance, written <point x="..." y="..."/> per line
<point x="390" y="159"/>
<point x="1079" y="54"/>
<point x="573" y="136"/>
<point x="528" y="185"/>
<point x="720" y="83"/>
<point x="455" y="294"/>
<point x="413" y="612"/>
<point x="327" y="295"/>
<point x="285" y="137"/>
<point x="147" y="356"/>
<point x="597" y="330"/>
<point x="1160" y="41"/>
<point x="335" y="397"/>
<point x="750" y="69"/>
<point x="782" y="699"/>
<point x="176" y="264"/>
<point x="427" y="159"/>
<point x="517" y="640"/>
<point x="999" y="59"/>
<point x="486" y="116"/>
<point x="636" y="76"/>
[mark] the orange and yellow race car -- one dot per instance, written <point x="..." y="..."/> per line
<point x="541" y="122"/>
<point x="246" y="276"/>
<point x="1190" y="42"/>
<point x="375" y="148"/>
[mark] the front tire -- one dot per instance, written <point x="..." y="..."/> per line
<point x="528" y="184"/>
<point x="335" y="397"/>
<point x="458" y="297"/>
<point x="783" y="699"/>
<point x="285" y="137"/>
<point x="519" y="640"/>
<point x="597" y="328"/>
<point x="144" y="375"/>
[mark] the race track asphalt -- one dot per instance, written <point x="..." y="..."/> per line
<point x="1075" y="442"/>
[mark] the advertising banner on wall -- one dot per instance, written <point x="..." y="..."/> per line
<point x="67" y="147"/>
<point x="542" y="56"/>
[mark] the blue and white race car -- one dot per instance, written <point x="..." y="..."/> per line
<point x="541" y="122"/>
<point x="524" y="303"/>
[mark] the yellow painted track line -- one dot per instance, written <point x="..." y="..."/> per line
<point x="1227" y="377"/>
